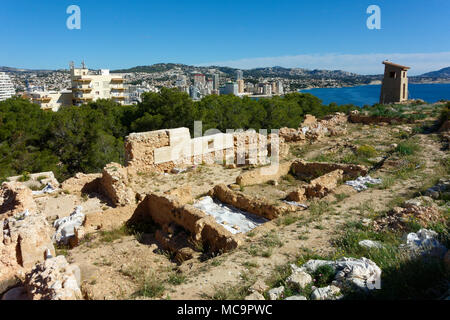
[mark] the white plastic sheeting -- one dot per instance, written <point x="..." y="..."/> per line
<point x="47" y="189"/>
<point x="65" y="227"/>
<point x="361" y="273"/>
<point x="424" y="241"/>
<point x="360" y="184"/>
<point x="233" y="219"/>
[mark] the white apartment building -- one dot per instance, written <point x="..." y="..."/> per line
<point x="51" y="100"/>
<point x="90" y="86"/>
<point x="6" y="87"/>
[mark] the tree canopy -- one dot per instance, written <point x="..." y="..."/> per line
<point x="86" y="138"/>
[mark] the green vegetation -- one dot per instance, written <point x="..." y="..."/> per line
<point x="86" y="138"/>
<point x="366" y="151"/>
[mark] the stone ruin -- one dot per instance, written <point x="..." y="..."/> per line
<point x="163" y="150"/>
<point x="323" y="177"/>
<point x="312" y="130"/>
<point x="185" y="228"/>
<point x="358" y="117"/>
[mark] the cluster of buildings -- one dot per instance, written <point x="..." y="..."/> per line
<point x="203" y="86"/>
<point x="53" y="89"/>
<point x="85" y="86"/>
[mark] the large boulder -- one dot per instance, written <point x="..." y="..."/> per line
<point x="54" y="279"/>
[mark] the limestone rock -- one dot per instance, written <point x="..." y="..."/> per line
<point x="326" y="293"/>
<point x="296" y="298"/>
<point x="15" y="198"/>
<point x="114" y="185"/>
<point x="54" y="279"/>
<point x="276" y="293"/>
<point x="24" y="239"/>
<point x="82" y="183"/>
<point x="370" y="244"/>
<point x="299" y="279"/>
<point x="259" y="286"/>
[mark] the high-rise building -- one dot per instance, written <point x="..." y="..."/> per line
<point x="6" y="87"/>
<point x="240" y="86"/>
<point x="230" y="88"/>
<point x="280" y="89"/>
<point x="199" y="80"/>
<point x="90" y="85"/>
<point x="216" y="81"/>
<point x="181" y="80"/>
<point x="239" y="75"/>
<point x="267" y="89"/>
<point x="51" y="100"/>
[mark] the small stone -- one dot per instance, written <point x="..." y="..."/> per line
<point x="276" y="293"/>
<point x="259" y="286"/>
<point x="327" y="293"/>
<point x="299" y="279"/>
<point x="296" y="298"/>
<point x="370" y="244"/>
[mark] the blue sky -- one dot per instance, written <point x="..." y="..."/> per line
<point x="248" y="33"/>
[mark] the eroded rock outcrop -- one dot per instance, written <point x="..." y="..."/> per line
<point x="82" y="183"/>
<point x="15" y="198"/>
<point x="24" y="240"/>
<point x="54" y="279"/>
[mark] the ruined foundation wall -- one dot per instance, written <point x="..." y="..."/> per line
<point x="166" y="211"/>
<point x="263" y="174"/>
<point x="303" y="169"/>
<point x="258" y="206"/>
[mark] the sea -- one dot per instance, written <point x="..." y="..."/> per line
<point x="370" y="94"/>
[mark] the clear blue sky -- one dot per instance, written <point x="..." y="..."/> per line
<point x="247" y="33"/>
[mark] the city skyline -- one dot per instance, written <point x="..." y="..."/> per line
<point x="320" y="35"/>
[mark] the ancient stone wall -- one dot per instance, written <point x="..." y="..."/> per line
<point x="311" y="170"/>
<point x="114" y="185"/>
<point x="171" y="215"/>
<point x="163" y="150"/>
<point x="263" y="174"/>
<point x="314" y="130"/>
<point x="258" y="206"/>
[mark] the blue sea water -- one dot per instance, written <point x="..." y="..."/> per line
<point x="370" y="94"/>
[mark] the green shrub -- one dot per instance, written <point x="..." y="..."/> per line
<point x="366" y="151"/>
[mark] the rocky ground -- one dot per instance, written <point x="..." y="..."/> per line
<point x="115" y="263"/>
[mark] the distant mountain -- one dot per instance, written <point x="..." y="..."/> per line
<point x="17" y="70"/>
<point x="443" y="73"/>
<point x="268" y="72"/>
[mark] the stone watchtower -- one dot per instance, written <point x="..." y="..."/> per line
<point x="395" y="83"/>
